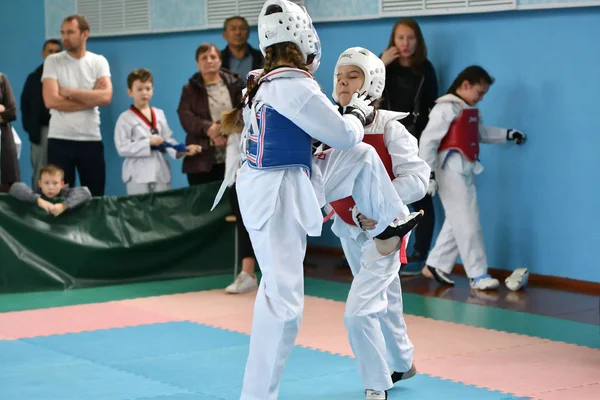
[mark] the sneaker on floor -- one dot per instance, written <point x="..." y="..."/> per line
<point x="484" y="282"/>
<point x="244" y="283"/>
<point x="518" y="279"/>
<point x="440" y="276"/>
<point x="376" y="394"/>
<point x="401" y="376"/>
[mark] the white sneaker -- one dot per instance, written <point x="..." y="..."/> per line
<point x="484" y="282"/>
<point x="375" y="394"/>
<point x="244" y="283"/>
<point x="518" y="279"/>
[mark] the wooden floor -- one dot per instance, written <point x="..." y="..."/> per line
<point x="568" y="305"/>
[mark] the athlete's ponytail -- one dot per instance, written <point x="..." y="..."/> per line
<point x="281" y="54"/>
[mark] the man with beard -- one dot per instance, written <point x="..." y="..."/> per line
<point x="75" y="83"/>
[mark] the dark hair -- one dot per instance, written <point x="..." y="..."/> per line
<point x="204" y="47"/>
<point x="288" y="53"/>
<point x="139" y="74"/>
<point x="474" y="75"/>
<point x="237" y="17"/>
<point x="83" y="24"/>
<point x="51" y="41"/>
<point x="52" y="169"/>
<point x="418" y="59"/>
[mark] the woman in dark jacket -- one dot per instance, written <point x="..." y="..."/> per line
<point x="9" y="162"/>
<point x="205" y="97"/>
<point x="411" y="86"/>
<point x="209" y="92"/>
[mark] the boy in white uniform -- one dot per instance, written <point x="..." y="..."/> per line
<point x="450" y="145"/>
<point x="373" y="317"/>
<point x="143" y="136"/>
<point x="284" y="109"/>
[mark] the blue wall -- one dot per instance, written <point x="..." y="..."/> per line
<point x="538" y="202"/>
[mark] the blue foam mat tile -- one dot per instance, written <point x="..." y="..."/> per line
<point x="111" y="345"/>
<point x="183" y="396"/>
<point x="17" y="355"/>
<point x="87" y="381"/>
<point x="185" y="361"/>
<point x="207" y="371"/>
<point x="348" y="386"/>
<point x="340" y="385"/>
<point x="306" y="363"/>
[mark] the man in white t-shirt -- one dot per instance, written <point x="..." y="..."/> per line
<point x="75" y="83"/>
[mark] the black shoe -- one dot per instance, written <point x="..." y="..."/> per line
<point x="402" y="376"/>
<point x="440" y="276"/>
<point x="400" y="229"/>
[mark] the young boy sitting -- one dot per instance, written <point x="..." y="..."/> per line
<point x="52" y="189"/>
<point x="142" y="137"/>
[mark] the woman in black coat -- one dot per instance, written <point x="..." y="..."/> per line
<point x="411" y="86"/>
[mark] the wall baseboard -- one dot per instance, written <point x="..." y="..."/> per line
<point x="537" y="280"/>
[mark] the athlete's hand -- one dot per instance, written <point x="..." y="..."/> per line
<point x="360" y="107"/>
<point x="366" y="224"/>
<point x="518" y="136"/>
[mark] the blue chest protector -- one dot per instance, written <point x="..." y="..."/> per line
<point x="270" y="140"/>
<point x="275" y="142"/>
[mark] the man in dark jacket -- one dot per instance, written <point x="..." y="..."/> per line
<point x="35" y="115"/>
<point x="239" y="57"/>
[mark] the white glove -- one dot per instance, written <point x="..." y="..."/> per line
<point x="360" y="107"/>
<point x="433" y="186"/>
<point x="518" y="136"/>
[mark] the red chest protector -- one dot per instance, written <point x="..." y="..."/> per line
<point x="463" y="135"/>
<point x="343" y="207"/>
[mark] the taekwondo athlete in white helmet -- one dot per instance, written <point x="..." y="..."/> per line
<point x="376" y="328"/>
<point x="278" y="202"/>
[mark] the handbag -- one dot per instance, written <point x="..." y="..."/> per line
<point x="412" y="126"/>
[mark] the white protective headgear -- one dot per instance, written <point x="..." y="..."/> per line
<point x="371" y="65"/>
<point x="292" y="25"/>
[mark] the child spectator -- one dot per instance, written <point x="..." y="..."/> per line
<point x="51" y="190"/>
<point x="142" y="137"/>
